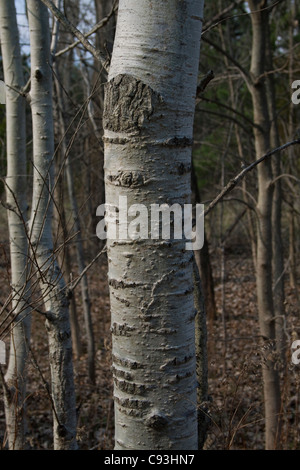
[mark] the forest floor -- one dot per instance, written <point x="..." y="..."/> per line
<point x="235" y="385"/>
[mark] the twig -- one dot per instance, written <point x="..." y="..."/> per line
<point x="229" y="108"/>
<point x="45" y="383"/>
<point x="219" y="18"/>
<point x="234" y="181"/>
<point x="205" y="81"/>
<point x="74" y="285"/>
<point x="5" y="386"/>
<point x="243" y="71"/>
<point x="214" y="23"/>
<point x="99" y="25"/>
<point x="72" y="29"/>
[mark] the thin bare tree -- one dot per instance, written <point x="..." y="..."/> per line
<point x="16" y="188"/>
<point x="50" y="277"/>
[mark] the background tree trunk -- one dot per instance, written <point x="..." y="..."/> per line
<point x="277" y="244"/>
<point x="292" y="119"/>
<point x="86" y="304"/>
<point x="259" y="19"/>
<point x="202" y="258"/>
<point x="16" y="186"/>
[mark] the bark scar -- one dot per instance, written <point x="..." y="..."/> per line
<point x="128" y="104"/>
<point x="127" y="179"/>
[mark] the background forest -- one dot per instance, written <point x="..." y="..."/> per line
<point x="244" y="109"/>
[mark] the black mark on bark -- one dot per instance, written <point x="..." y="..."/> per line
<point x="122" y="285"/>
<point x="38" y="75"/>
<point x="127" y="179"/>
<point x="133" y="404"/>
<point x="121" y="330"/>
<point x="178" y="142"/>
<point x="129" y="103"/>
<point x="157" y="421"/>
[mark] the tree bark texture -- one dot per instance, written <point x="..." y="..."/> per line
<point x="16" y="185"/>
<point x="148" y="124"/>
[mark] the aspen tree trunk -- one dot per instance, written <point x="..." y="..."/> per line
<point x="148" y="125"/>
<point x="15" y="378"/>
<point x="51" y="281"/>
<point x="259" y="19"/>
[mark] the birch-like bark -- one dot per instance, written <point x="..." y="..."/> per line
<point x="259" y="19"/>
<point x="15" y="378"/>
<point x="50" y="277"/>
<point x="148" y="125"/>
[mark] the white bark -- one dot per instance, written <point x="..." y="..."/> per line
<point x="148" y="123"/>
<point x="15" y="378"/>
<point x="51" y="281"/>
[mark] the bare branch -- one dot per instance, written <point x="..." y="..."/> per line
<point x="225" y="116"/>
<point x="234" y="181"/>
<point x="220" y="17"/>
<point x="72" y="29"/>
<point x="205" y="81"/>
<point x="75" y="284"/>
<point x="229" y="108"/>
<point x="99" y="25"/>
<point x="244" y="72"/>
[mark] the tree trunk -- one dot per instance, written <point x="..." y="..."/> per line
<point x="292" y="249"/>
<point x="277" y="244"/>
<point x="86" y="304"/>
<point x="16" y="186"/>
<point x="50" y="277"/>
<point x="148" y="124"/>
<point x="259" y="19"/>
<point x="201" y="359"/>
<point x="202" y="258"/>
<point x="291" y="152"/>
